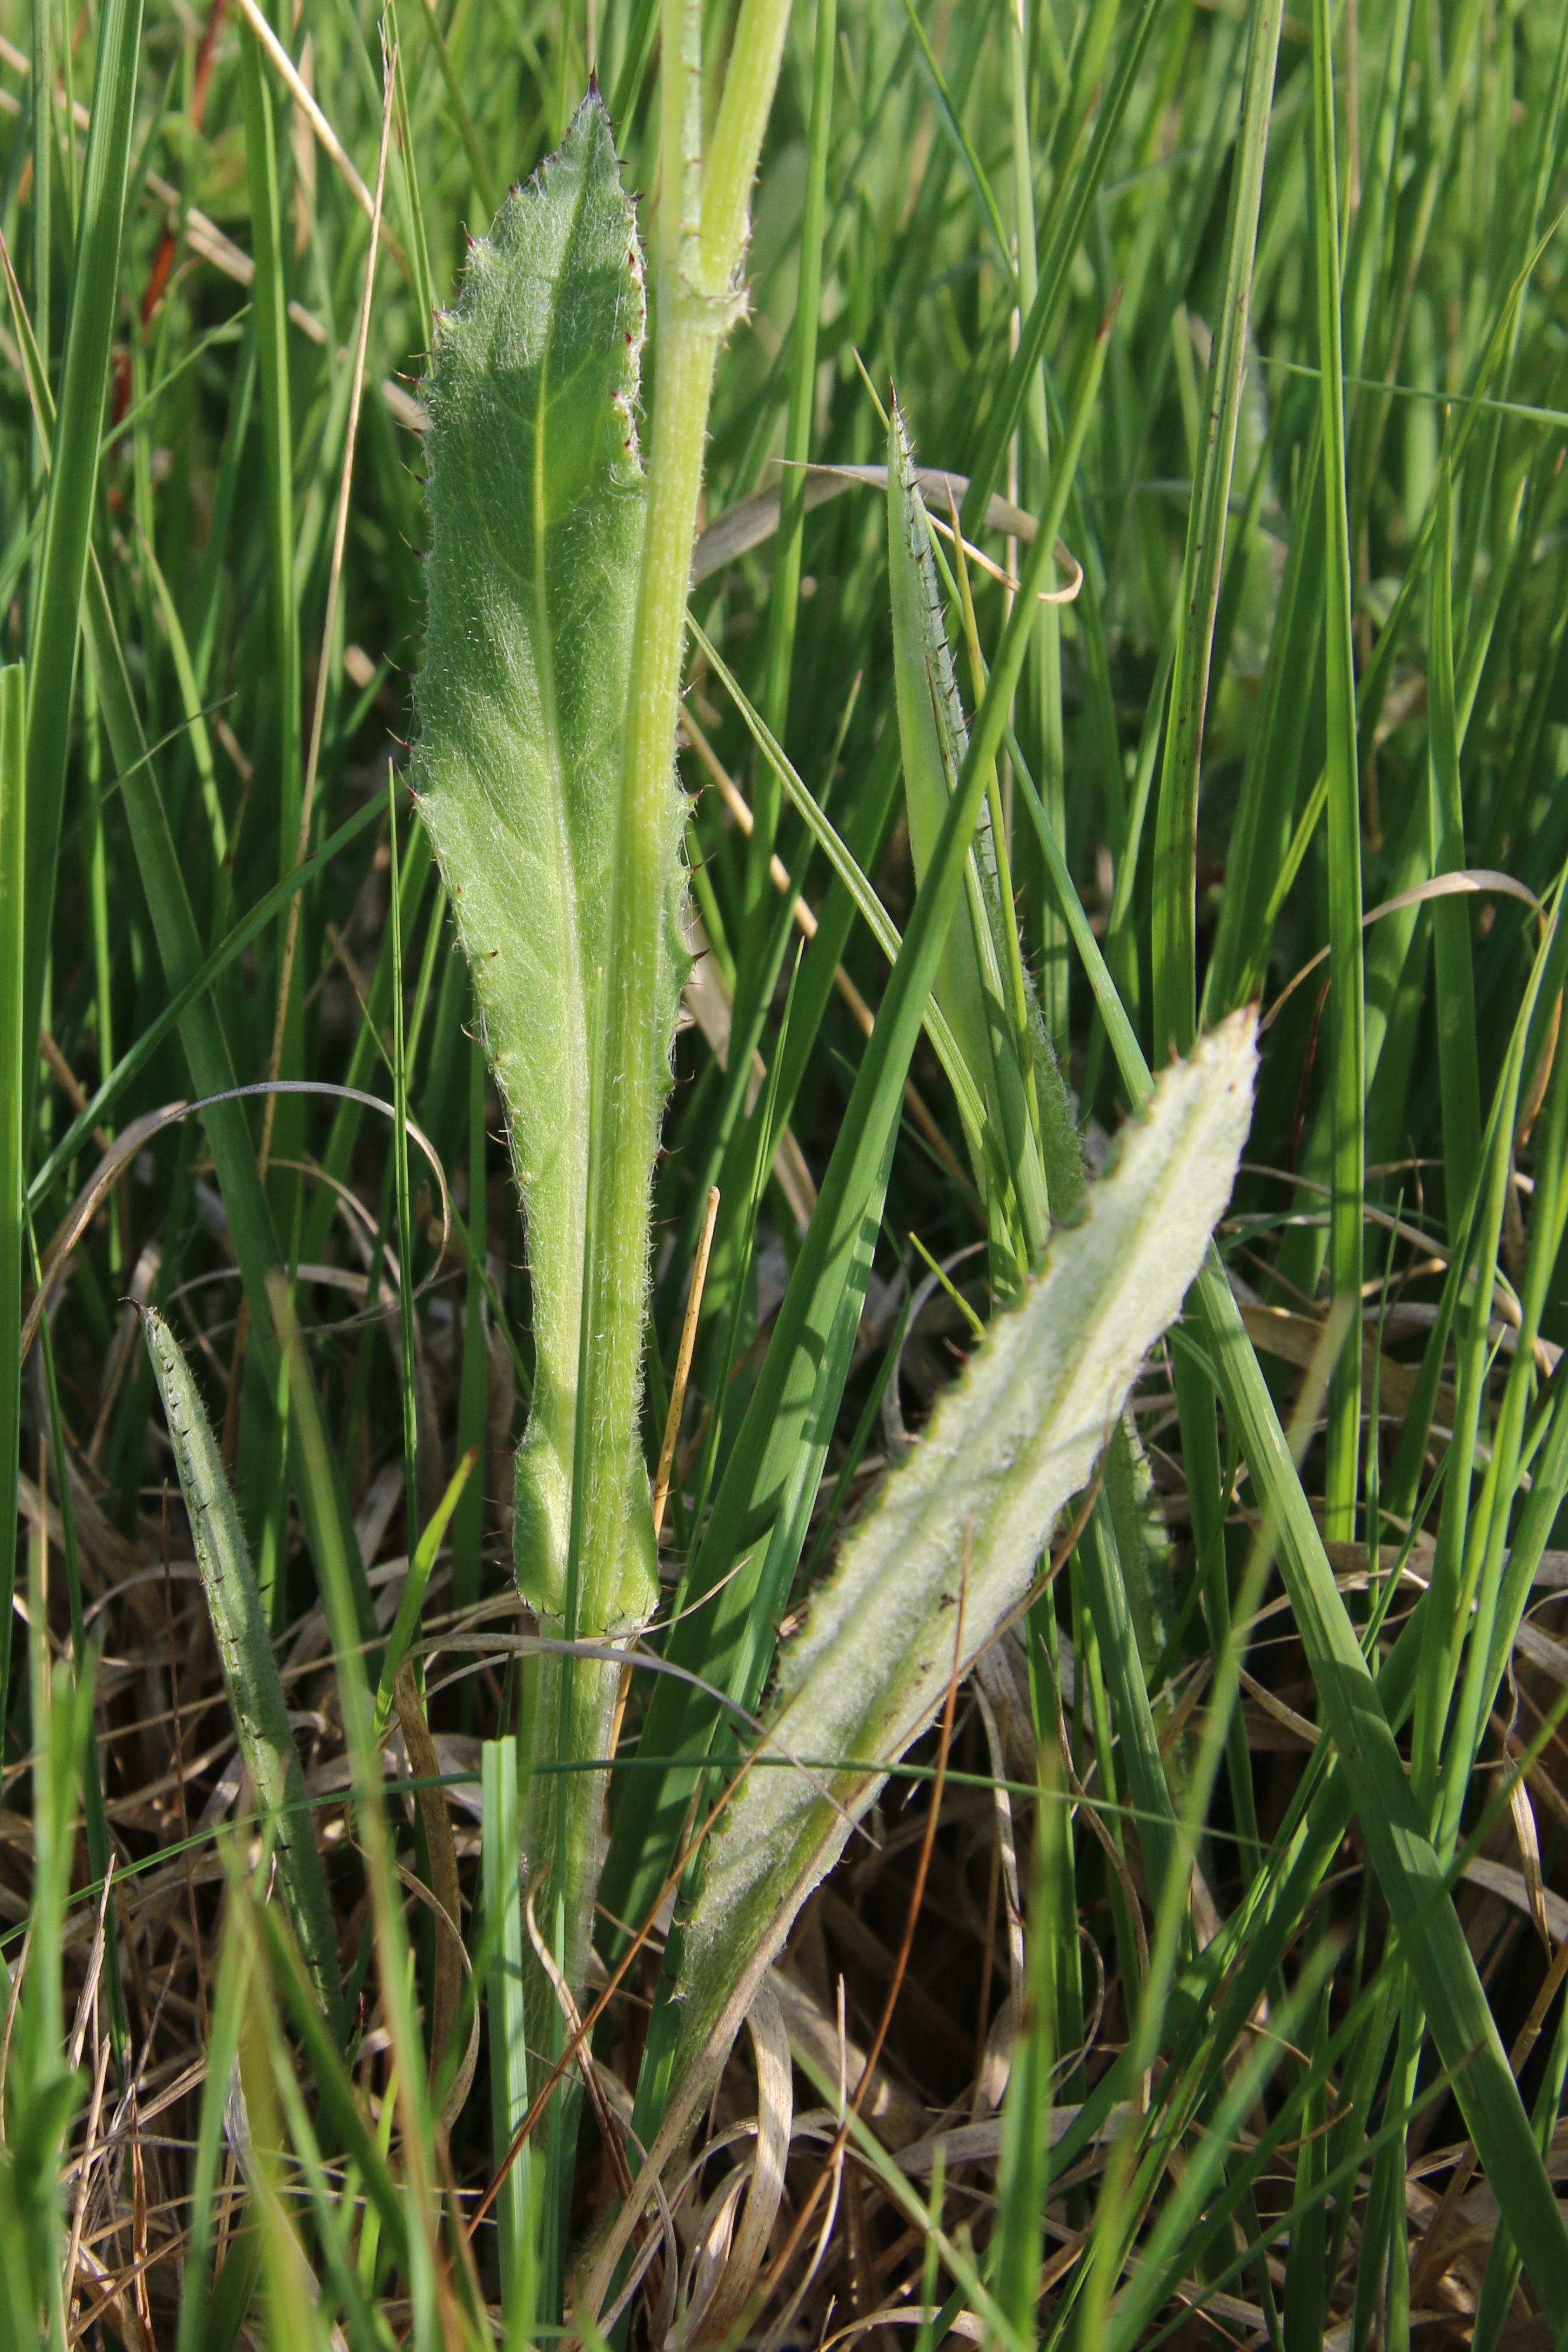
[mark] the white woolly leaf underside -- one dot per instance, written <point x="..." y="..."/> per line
<point x="1010" y="1443"/>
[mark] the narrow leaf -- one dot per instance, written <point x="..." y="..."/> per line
<point x="1065" y="228"/>
<point x="935" y="738"/>
<point x="1454" y="981"/>
<point x="250" y="1669"/>
<point x="90" y="321"/>
<point x="407" y="1623"/>
<point x="1347" y="1043"/>
<point x="13" y="1134"/>
<point x="1176" y="826"/>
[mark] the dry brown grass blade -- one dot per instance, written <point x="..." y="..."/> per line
<point x="683" y="1360"/>
<point x="57" y="1256"/>
<point x="339" y="535"/>
<point x="756" y="519"/>
<point x="917" y="1895"/>
<point x="304" y="98"/>
<point x="1479" y="881"/>
<point x="897" y="2119"/>
<point x="711" y="2322"/>
<point x="1530" y="1859"/>
<point x="130" y="1138"/>
<point x="865" y="1018"/>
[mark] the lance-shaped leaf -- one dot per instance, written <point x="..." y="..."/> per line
<point x="250" y="1669"/>
<point x="964" y="1521"/>
<point x="537" y="508"/>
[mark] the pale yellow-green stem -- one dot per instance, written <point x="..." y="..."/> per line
<point x="702" y="241"/>
<point x="702" y="234"/>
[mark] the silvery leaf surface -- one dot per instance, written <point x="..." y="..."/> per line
<point x="965" y="1520"/>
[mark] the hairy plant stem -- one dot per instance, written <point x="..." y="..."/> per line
<point x="702" y="234"/>
<point x="701" y="237"/>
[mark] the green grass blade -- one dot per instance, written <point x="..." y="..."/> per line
<point x="226" y="2003"/>
<point x="1021" y="2170"/>
<point x="975" y="171"/>
<point x="339" y="2106"/>
<point x="970" y="985"/>
<point x="205" y="609"/>
<point x="1205" y="1488"/>
<point x="1120" y="1033"/>
<point x="1065" y="226"/>
<point x="136" y="1057"/>
<point x="473" y="1403"/>
<point x="1460" y="1533"/>
<point x="13" y="1133"/>
<point x="324" y="1506"/>
<point x="640" y="36"/>
<point x="250" y="1669"/>
<point x="1453" y="978"/>
<point x="43" y="160"/>
<point x="1167" y="2254"/>
<point x="327" y="2208"/>
<point x="412" y="201"/>
<point x="1347" y="1044"/>
<point x="1305" y="2274"/>
<point x="869" y="908"/>
<point x="1401" y="1853"/>
<point x="338" y="1596"/>
<point x="270" y="299"/>
<point x="413" y="877"/>
<point x="1365" y="259"/>
<point x="62" y="565"/>
<point x="400" y="1195"/>
<point x="405" y="1625"/>
<point x="1176" y="823"/>
<point x="784" y="595"/>
<point x="191" y="703"/>
<point x="95" y="1822"/>
<point x="507" y="2017"/>
<point x="1262" y="845"/>
<point x="484" y="178"/>
<point x="43" y="2090"/>
<point x="1105" y="1582"/>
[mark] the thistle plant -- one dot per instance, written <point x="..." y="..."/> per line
<point x="534" y="456"/>
<point x="947" y="625"/>
<point x="547" y="711"/>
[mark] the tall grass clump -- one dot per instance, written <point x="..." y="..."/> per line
<point x="782" y="1173"/>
